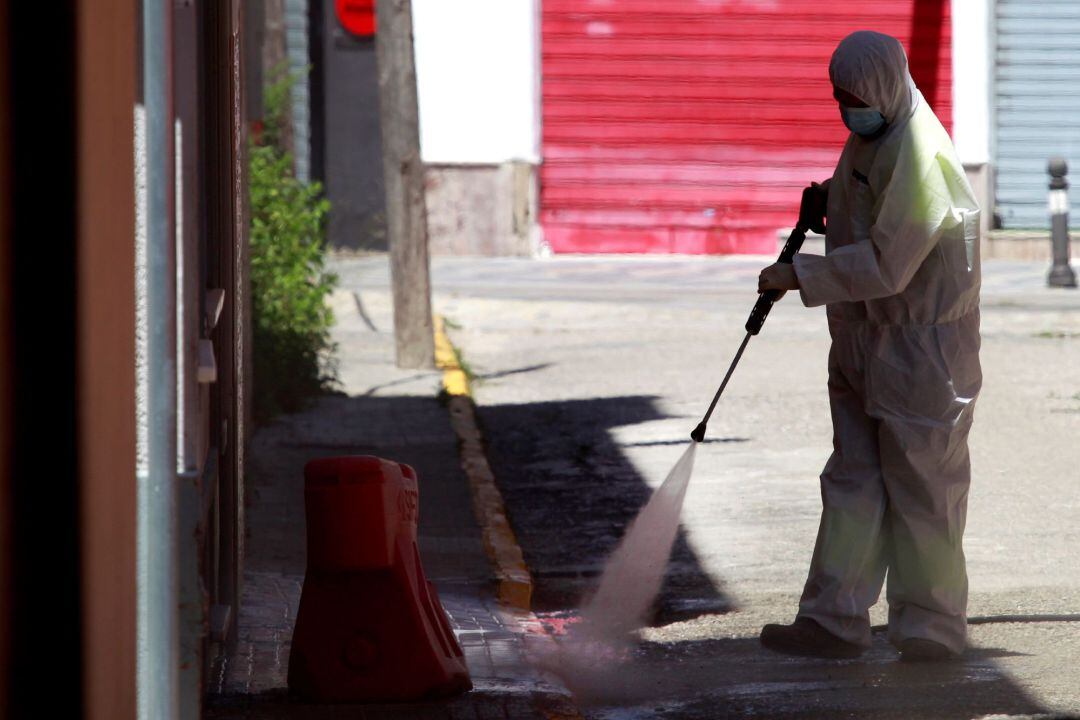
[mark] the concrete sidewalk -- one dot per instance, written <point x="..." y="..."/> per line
<point x="592" y="372"/>
<point x="394" y="414"/>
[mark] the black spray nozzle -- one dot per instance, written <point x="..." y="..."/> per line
<point x="757" y="319"/>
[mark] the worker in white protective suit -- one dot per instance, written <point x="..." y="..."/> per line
<point x="900" y="282"/>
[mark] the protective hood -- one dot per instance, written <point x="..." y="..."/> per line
<point x="874" y="68"/>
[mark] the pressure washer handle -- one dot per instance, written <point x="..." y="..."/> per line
<point x="768" y="298"/>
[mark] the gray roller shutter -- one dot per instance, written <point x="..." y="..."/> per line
<point x="1037" y="93"/>
<point x="296" y="44"/>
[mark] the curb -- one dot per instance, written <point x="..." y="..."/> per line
<point x="514" y="579"/>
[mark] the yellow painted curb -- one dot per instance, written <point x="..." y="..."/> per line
<point x="455" y="381"/>
<point x="515" y="581"/>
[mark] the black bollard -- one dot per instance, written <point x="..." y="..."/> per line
<point x="1061" y="273"/>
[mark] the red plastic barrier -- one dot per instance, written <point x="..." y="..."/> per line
<point x="370" y="627"/>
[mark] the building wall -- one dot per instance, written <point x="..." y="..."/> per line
<point x="972" y="106"/>
<point x="990" y="80"/>
<point x="1036" y="99"/>
<point x="106" y="365"/>
<point x="67" y="476"/>
<point x="477" y="66"/>
<point x="477" y="75"/>
<point x="482" y="209"/>
<point x="972" y="71"/>
<point x="350" y="160"/>
<point x="44" y="580"/>
<point x="477" y="84"/>
<point x="6" y="374"/>
<point x="296" y="48"/>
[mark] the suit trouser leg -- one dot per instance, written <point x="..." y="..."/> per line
<point x="927" y="473"/>
<point x="849" y="562"/>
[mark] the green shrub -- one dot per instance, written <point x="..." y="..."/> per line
<point x="293" y="352"/>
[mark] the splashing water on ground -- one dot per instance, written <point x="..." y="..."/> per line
<point x="594" y="648"/>
<point x="632" y="577"/>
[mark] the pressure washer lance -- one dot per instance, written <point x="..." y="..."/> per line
<point x="756" y="320"/>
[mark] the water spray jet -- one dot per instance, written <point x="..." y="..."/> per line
<point x="597" y="645"/>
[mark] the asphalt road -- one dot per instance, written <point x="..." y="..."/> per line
<point x="591" y="372"/>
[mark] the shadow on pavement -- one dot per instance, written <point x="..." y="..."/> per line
<point x="278" y="705"/>
<point x="737" y="678"/>
<point x="514" y="371"/>
<point x="249" y="681"/>
<point x="570" y="493"/>
<point x="412" y="430"/>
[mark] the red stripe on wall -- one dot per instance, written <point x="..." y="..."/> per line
<point x="691" y="126"/>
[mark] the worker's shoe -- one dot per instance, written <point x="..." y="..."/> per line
<point x="807" y="638"/>
<point x="923" y="650"/>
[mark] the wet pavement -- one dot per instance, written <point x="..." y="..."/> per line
<point x="591" y="372"/>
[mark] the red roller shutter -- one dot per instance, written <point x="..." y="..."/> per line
<point x="690" y="126"/>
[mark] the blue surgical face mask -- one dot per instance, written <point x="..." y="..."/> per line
<point x="862" y="121"/>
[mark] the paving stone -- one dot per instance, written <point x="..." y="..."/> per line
<point x="393" y="414"/>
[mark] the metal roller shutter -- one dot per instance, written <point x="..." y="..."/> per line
<point x="296" y="44"/>
<point x="690" y="126"/>
<point x="1037" y="89"/>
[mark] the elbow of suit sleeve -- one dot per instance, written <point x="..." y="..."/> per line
<point x="815" y="286"/>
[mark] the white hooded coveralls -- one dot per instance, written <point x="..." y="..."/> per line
<point x="900" y="280"/>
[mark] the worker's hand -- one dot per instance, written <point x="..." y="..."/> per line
<point x="778" y="276"/>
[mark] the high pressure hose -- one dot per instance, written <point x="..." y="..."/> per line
<point x="754" y="323"/>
